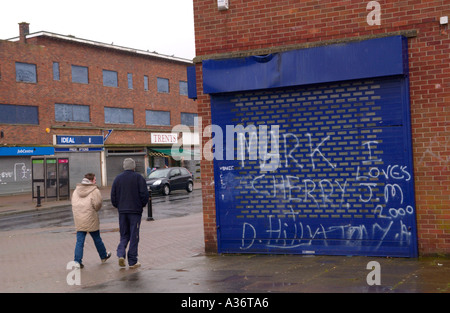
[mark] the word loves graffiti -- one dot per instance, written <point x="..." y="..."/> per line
<point x="372" y="204"/>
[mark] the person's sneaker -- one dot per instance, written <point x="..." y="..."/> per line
<point x="122" y="262"/>
<point x="79" y="265"/>
<point x="135" y="265"/>
<point x="108" y="255"/>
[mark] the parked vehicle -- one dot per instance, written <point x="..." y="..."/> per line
<point x="166" y="180"/>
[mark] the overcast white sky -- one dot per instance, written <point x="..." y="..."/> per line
<point x="164" y="26"/>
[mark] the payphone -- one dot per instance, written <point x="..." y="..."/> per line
<point x="50" y="178"/>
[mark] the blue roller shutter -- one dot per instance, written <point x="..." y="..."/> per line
<point x="342" y="183"/>
<point x="314" y="158"/>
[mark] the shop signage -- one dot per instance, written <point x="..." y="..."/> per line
<point x="79" y="140"/>
<point x="18" y="151"/>
<point x="167" y="138"/>
<point x="78" y="149"/>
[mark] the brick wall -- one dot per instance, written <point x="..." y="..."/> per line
<point x="43" y="52"/>
<point x="253" y="27"/>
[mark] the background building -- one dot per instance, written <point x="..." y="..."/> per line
<point x="87" y="101"/>
<point x="357" y="93"/>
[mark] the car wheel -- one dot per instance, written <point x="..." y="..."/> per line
<point x="189" y="187"/>
<point x="165" y="190"/>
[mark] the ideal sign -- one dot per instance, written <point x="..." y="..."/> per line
<point x="79" y="140"/>
<point x="167" y="138"/>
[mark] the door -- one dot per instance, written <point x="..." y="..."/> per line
<point x="319" y="169"/>
<point x="176" y="180"/>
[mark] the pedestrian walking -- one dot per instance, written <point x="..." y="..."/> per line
<point x="86" y="202"/>
<point x="129" y="195"/>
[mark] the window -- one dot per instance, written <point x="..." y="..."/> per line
<point x="56" y="71"/>
<point x="130" y="81"/>
<point x="162" y="85"/>
<point x="110" y="78"/>
<point x="26" y="72"/>
<point x="175" y="172"/>
<point x="145" y="82"/>
<point x="161" y="118"/>
<point x="183" y="88"/>
<point x="184" y="171"/>
<point x="80" y="74"/>
<point x="19" y="114"/>
<point x="188" y="119"/>
<point x="118" y="116"/>
<point x="71" y="113"/>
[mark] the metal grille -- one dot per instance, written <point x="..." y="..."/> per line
<point x="324" y="170"/>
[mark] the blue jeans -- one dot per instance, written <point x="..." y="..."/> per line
<point x="79" y="247"/>
<point x="129" y="225"/>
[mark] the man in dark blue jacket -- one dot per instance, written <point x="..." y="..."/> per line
<point x="129" y="195"/>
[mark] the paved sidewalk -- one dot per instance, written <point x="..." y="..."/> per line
<point x="35" y="260"/>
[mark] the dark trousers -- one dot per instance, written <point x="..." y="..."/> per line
<point x="129" y="225"/>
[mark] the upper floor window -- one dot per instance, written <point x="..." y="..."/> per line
<point x="118" y="116"/>
<point x="19" y="114"/>
<point x="110" y="78"/>
<point x="80" y="74"/>
<point x="26" y="72"/>
<point x="71" y="112"/>
<point x="56" y="71"/>
<point x="162" y="85"/>
<point x="130" y="80"/>
<point x="188" y="119"/>
<point x="145" y="82"/>
<point x="161" y="118"/>
<point x="183" y="88"/>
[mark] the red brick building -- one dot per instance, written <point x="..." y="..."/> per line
<point x="91" y="102"/>
<point x="328" y="73"/>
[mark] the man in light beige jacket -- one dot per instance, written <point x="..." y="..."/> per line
<point x="86" y="201"/>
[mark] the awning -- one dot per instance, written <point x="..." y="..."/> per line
<point x="183" y="152"/>
<point x="377" y="57"/>
<point x="155" y="153"/>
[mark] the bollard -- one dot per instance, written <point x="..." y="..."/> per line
<point x="38" y="205"/>
<point x="150" y="209"/>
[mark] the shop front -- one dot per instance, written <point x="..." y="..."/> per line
<point x="15" y="167"/>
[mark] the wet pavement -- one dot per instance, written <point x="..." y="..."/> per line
<point x="285" y="274"/>
<point x="171" y="252"/>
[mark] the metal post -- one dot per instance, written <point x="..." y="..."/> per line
<point x="150" y="209"/>
<point x="38" y="205"/>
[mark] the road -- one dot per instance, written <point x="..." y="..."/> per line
<point x="177" y="204"/>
